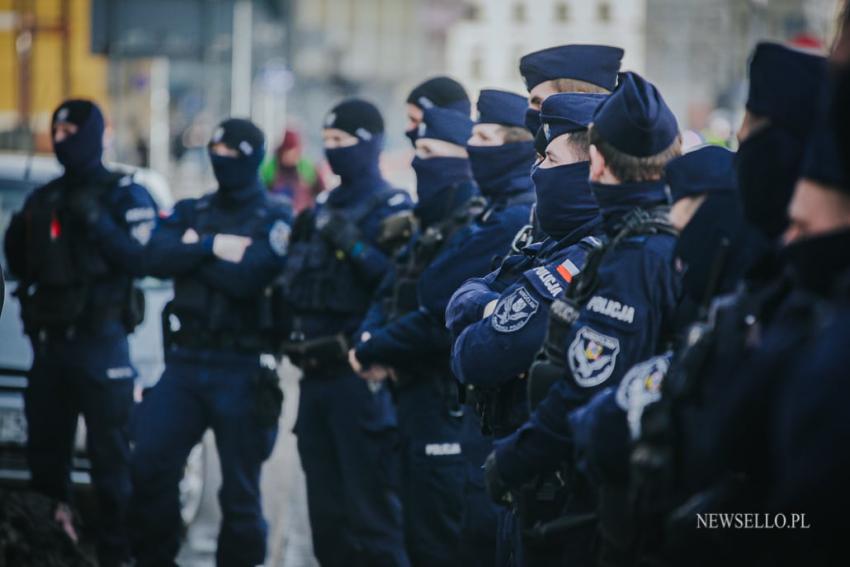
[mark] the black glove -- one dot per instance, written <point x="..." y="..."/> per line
<point x="496" y="487"/>
<point x="339" y="232"/>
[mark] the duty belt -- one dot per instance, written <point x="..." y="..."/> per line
<point x="207" y="340"/>
<point x="330" y="351"/>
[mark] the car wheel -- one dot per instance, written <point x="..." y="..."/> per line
<point x="192" y="484"/>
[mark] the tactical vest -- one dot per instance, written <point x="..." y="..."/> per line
<point x="209" y="317"/>
<point x="502" y="409"/>
<point x="320" y="280"/>
<point x="563" y="502"/>
<point x="425" y="250"/>
<point x="657" y="455"/>
<point x="549" y="366"/>
<point x="63" y="265"/>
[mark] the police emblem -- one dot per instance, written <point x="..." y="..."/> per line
<point x="279" y="237"/>
<point x="514" y="311"/>
<point x="640" y="387"/>
<point x="592" y="357"/>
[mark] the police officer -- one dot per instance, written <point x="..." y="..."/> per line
<point x="495" y="348"/>
<point x="714" y="393"/>
<point x="582" y="68"/>
<point x="805" y="472"/>
<point x="442" y="92"/>
<point x="346" y="427"/>
<point x="399" y="334"/>
<point x="713" y="251"/>
<point x="622" y="307"/>
<point x="224" y="251"/>
<point x="75" y="248"/>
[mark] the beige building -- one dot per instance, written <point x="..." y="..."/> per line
<point x="484" y="48"/>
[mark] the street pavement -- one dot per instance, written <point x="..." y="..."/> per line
<point x="284" y="498"/>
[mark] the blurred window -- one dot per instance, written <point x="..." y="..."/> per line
<point x="476" y="65"/>
<point x="519" y="12"/>
<point x="603" y="12"/>
<point x="562" y="12"/>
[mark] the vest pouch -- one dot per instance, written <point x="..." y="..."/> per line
<point x="191" y="299"/>
<point x="134" y="310"/>
<point x="53" y="308"/>
<point x="50" y="243"/>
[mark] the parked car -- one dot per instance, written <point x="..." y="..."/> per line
<point x="19" y="175"/>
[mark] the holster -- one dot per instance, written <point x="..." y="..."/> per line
<point x="268" y="396"/>
<point x="321" y="352"/>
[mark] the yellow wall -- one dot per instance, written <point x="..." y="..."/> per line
<point x="88" y="73"/>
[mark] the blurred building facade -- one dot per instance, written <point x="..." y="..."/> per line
<point x="697" y="49"/>
<point x="485" y="46"/>
<point x="44" y="58"/>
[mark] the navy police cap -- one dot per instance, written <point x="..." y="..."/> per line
<point x="563" y="113"/>
<point x="635" y="119"/>
<point x="501" y="107"/>
<point x="594" y="64"/>
<point x="708" y="169"/>
<point x="447" y="125"/>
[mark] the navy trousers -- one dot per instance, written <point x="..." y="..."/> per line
<point x="92" y="375"/>
<point x="448" y="518"/>
<point x="200" y="390"/>
<point x="348" y="442"/>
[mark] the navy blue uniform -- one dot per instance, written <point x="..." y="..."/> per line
<point x="211" y="379"/>
<point x="76" y="266"/>
<point x="347" y="430"/>
<point x="625" y="321"/>
<point x="442" y="442"/>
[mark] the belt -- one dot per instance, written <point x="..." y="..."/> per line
<point x="220" y="341"/>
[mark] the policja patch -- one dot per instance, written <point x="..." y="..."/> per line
<point x="514" y="311"/>
<point x="592" y="357"/>
<point x="279" y="237"/>
<point x="640" y="387"/>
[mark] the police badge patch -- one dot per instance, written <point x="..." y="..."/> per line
<point x="592" y="357"/>
<point x="279" y="238"/>
<point x="640" y="387"/>
<point x="514" y="311"/>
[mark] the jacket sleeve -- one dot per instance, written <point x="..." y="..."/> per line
<point x="466" y="305"/>
<point x="257" y="269"/>
<point x="488" y="353"/>
<point x="472" y="253"/>
<point x="412" y="335"/>
<point x="167" y="255"/>
<point x="123" y="232"/>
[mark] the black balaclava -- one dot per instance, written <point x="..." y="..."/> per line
<point x="234" y="173"/>
<point x="768" y="163"/>
<point x="81" y="152"/>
